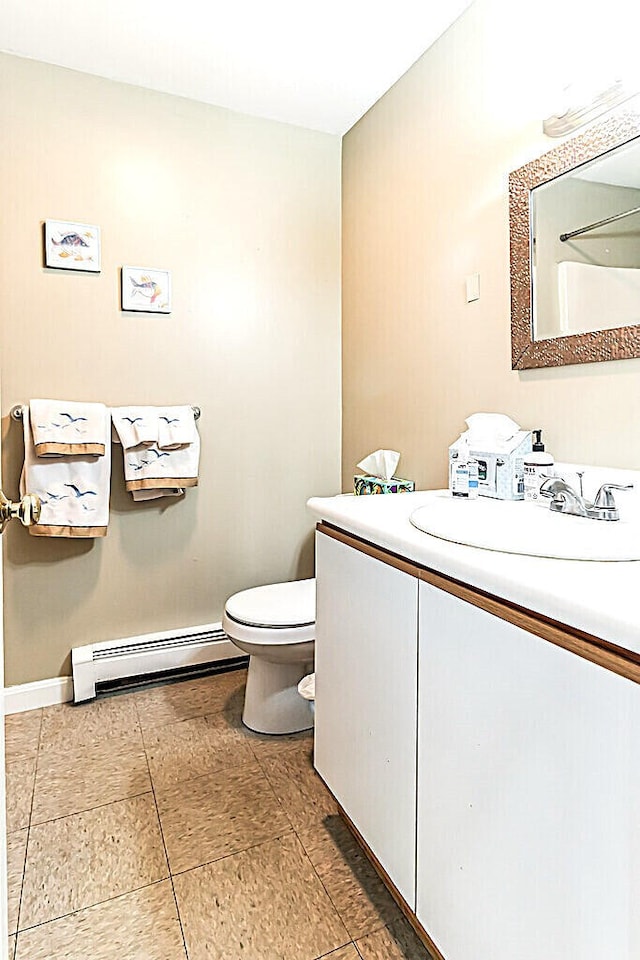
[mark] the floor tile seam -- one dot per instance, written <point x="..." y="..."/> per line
<point x="138" y="718"/>
<point x="234" y="853"/>
<point x="64" y="754"/>
<point x="226" y="765"/>
<point x="215" y="714"/>
<point x="162" y="787"/>
<point x="164" y="723"/>
<point x="294" y="825"/>
<point x="172" y="784"/>
<point x="273" y="790"/>
<point x="97" y="806"/>
<point x="90" y="906"/>
<point x="166" y="853"/>
<point x="35" y="748"/>
<point x="29" y="824"/>
<point x="327" y="956"/>
<point x="24" y="870"/>
<point x="324" y="887"/>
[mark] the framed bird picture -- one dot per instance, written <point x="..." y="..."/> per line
<point x="71" y="246"/>
<point x="146" y="290"/>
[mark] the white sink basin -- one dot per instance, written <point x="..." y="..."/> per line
<point x="525" y="528"/>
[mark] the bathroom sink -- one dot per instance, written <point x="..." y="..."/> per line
<point x="526" y="528"/>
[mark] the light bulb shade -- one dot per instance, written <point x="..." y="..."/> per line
<point x="582" y="113"/>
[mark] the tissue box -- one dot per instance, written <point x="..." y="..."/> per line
<point x="367" y="485"/>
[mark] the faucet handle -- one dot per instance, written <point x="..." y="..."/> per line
<point x="604" y="497"/>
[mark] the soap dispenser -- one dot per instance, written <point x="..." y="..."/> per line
<point x="538" y="465"/>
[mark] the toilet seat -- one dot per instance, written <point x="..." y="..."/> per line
<point x="267" y="636"/>
<point x="277" y="606"/>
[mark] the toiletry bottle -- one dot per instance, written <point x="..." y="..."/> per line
<point x="537" y="466"/>
<point x="464" y="474"/>
<point x="472" y="466"/>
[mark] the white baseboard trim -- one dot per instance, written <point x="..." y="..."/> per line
<point x="41" y="693"/>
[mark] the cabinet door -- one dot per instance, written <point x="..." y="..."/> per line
<point x="366" y="690"/>
<point x="528" y="806"/>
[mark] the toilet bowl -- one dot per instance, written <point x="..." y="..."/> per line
<point x="276" y="626"/>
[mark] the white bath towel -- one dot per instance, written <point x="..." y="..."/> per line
<point x="151" y="470"/>
<point x="74" y="490"/>
<point x="67" y="428"/>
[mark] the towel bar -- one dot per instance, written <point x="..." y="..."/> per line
<point x="16" y="412"/>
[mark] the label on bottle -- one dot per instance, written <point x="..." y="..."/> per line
<point x="534" y="476"/>
<point x="472" y="467"/>
<point x="460" y="481"/>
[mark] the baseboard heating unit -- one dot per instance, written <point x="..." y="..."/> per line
<point x="148" y="655"/>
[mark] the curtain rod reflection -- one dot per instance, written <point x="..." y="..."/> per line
<point x="599" y="223"/>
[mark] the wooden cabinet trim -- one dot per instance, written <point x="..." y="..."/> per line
<point x="585" y="645"/>
<point x="370" y="549"/>
<point x="393" y="890"/>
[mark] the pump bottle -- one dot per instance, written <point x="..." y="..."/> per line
<point x="538" y="465"/>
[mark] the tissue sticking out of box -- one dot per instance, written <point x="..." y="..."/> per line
<point x="381" y="463"/>
<point x="379" y="476"/>
<point x="490" y="427"/>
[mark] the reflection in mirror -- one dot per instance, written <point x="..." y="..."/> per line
<point x="575" y="250"/>
<point x="586" y="247"/>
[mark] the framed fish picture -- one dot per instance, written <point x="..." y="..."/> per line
<point x="71" y="246"/>
<point x="146" y="290"/>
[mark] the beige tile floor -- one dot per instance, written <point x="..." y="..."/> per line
<point x="153" y="826"/>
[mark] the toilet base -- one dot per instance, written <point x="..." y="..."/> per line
<point x="272" y="703"/>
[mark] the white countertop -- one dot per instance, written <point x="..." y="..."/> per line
<point x="600" y="598"/>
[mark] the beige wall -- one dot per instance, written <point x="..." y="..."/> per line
<point x="425" y="203"/>
<point x="246" y="215"/>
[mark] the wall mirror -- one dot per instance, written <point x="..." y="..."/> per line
<point x="574" y="218"/>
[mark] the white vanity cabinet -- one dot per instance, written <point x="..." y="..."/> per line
<point x="488" y="758"/>
<point x="366" y="690"/>
<point x="528" y="804"/>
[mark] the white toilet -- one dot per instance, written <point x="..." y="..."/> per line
<point x="276" y="626"/>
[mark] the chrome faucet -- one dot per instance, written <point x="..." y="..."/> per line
<point x="564" y="499"/>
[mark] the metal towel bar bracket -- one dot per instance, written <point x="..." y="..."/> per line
<point x="16" y="412"/>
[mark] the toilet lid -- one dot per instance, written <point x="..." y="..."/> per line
<point x="276" y="605"/>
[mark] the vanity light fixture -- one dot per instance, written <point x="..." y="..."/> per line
<point x="583" y="112"/>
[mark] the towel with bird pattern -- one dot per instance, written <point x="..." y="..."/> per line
<point x="67" y="428"/>
<point x="165" y="427"/>
<point x="73" y="489"/>
<point x="161" y="448"/>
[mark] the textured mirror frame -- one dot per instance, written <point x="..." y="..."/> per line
<point x="619" y="343"/>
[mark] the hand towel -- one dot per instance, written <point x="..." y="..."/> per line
<point x="167" y="427"/>
<point x="135" y="425"/>
<point x="73" y="490"/>
<point x="150" y="472"/>
<point x="176" y="427"/>
<point x="150" y="469"/>
<point x="67" y="428"/>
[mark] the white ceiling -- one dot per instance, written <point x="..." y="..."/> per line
<point x="319" y="65"/>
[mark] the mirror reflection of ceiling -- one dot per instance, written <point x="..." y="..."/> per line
<point x="619" y="168"/>
<point x="591" y="281"/>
